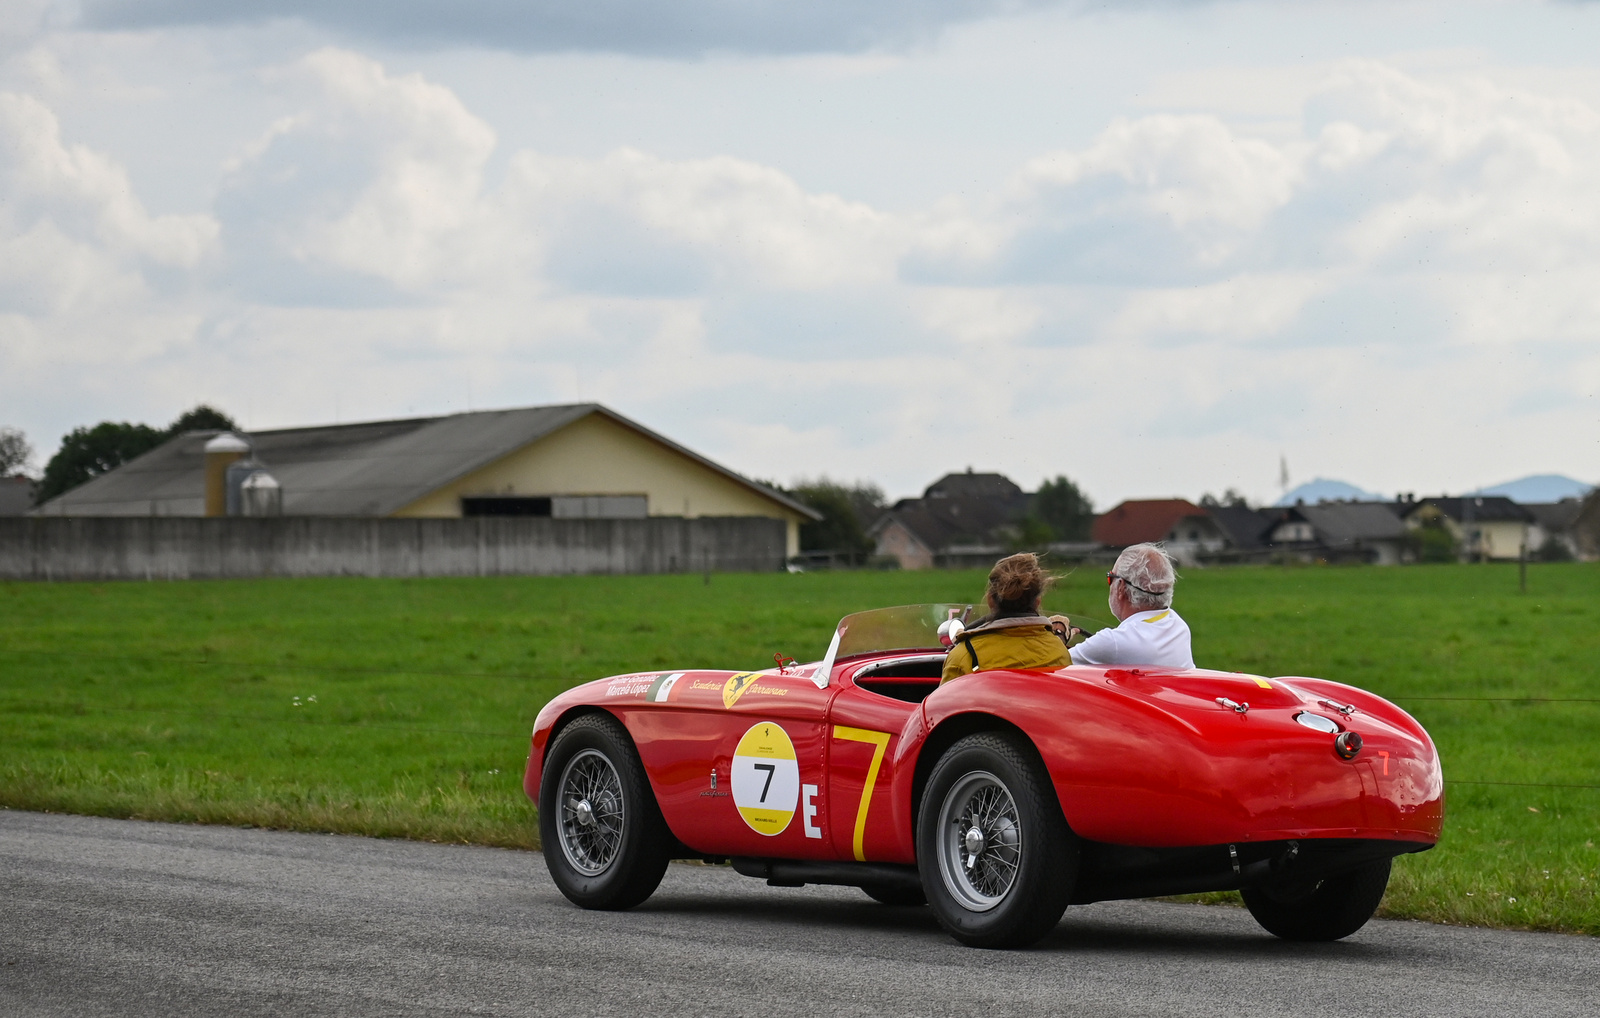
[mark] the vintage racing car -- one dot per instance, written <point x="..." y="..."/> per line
<point x="1000" y="797"/>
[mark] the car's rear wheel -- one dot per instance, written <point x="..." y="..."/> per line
<point x="894" y="894"/>
<point x="605" y="843"/>
<point x="997" y="859"/>
<point x="1325" y="909"/>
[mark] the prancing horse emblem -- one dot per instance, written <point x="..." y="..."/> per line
<point x="736" y="685"/>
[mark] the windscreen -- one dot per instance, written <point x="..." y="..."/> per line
<point x="908" y="627"/>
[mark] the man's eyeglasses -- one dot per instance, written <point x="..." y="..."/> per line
<point x="1113" y="576"/>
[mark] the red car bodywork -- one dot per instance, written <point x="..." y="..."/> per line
<point x="1141" y="759"/>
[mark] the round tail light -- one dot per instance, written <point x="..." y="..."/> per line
<point x="1347" y="745"/>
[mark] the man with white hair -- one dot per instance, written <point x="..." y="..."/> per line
<point x="1148" y="632"/>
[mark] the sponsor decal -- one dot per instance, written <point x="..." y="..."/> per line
<point x="766" y="779"/>
<point x="736" y="686"/>
<point x="662" y="687"/>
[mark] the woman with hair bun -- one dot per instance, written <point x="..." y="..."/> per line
<point x="1013" y="634"/>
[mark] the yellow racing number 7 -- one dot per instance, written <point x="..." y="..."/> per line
<point x="880" y="742"/>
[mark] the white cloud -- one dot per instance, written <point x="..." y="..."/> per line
<point x="379" y="176"/>
<point x="383" y="176"/>
<point x="83" y="193"/>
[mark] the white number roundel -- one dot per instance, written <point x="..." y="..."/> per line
<point x="766" y="778"/>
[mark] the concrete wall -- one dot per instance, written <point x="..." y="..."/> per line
<point x="160" y="548"/>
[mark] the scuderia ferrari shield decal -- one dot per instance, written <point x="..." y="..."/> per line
<point x="766" y="779"/>
<point x="736" y="686"/>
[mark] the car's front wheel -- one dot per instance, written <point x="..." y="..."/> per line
<point x="997" y="858"/>
<point x="605" y="843"/>
<point x="1326" y="909"/>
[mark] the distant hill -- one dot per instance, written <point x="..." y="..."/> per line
<point x="1324" y="490"/>
<point x="1539" y="488"/>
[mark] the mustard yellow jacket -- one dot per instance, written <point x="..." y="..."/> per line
<point x="1017" y="643"/>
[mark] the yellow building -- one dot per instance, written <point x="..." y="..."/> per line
<point x="1485" y="527"/>
<point x="577" y="461"/>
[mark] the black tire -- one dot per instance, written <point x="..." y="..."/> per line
<point x="606" y="846"/>
<point x="994" y="786"/>
<point x="894" y="894"/>
<point x="1327" y="909"/>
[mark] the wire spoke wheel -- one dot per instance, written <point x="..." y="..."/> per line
<point x="592" y="812"/>
<point x="980" y="841"/>
<point x="605" y="842"/>
<point x="997" y="859"/>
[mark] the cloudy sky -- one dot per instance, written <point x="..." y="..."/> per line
<point x="1154" y="246"/>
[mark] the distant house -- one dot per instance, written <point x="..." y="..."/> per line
<point x="1187" y="530"/>
<point x="16" y="495"/>
<point x="961" y="520"/>
<point x="580" y="461"/>
<point x="1341" y="531"/>
<point x="1553" y="522"/>
<point x="1586" y="528"/>
<point x="1247" y="530"/>
<point x="1485" y="527"/>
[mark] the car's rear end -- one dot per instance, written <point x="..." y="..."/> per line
<point x="1185" y="781"/>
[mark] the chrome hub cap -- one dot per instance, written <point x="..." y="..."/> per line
<point x="974" y="845"/>
<point x="592" y="818"/>
<point x="980" y="844"/>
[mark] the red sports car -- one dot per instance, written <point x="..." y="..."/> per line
<point x="998" y="798"/>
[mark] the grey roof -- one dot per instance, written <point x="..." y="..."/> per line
<point x="993" y="487"/>
<point x="959" y="511"/>
<point x="1244" y="526"/>
<point x="369" y="469"/>
<point x="1483" y="508"/>
<point x="1346" y="523"/>
<point x="1555" y="517"/>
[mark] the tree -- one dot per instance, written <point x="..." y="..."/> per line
<point x="1553" y="550"/>
<point x="87" y="453"/>
<point x="201" y="418"/>
<point x="1231" y="497"/>
<point x="15" y="452"/>
<point x="1063" y="507"/>
<point x="1032" y="534"/>
<point x="1433" y="542"/>
<point x="847" y="511"/>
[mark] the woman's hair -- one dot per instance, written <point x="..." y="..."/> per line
<point x="1016" y="583"/>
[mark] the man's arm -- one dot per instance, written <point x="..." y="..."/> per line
<point x="1103" y="648"/>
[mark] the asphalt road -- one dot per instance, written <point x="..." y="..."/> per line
<point x="111" y="917"/>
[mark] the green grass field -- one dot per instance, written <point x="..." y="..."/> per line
<point x="401" y="707"/>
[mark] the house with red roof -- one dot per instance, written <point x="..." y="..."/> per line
<point x="1186" y="530"/>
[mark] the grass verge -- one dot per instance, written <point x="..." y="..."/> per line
<point x="401" y="708"/>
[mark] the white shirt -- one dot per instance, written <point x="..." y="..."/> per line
<point x="1158" y="638"/>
